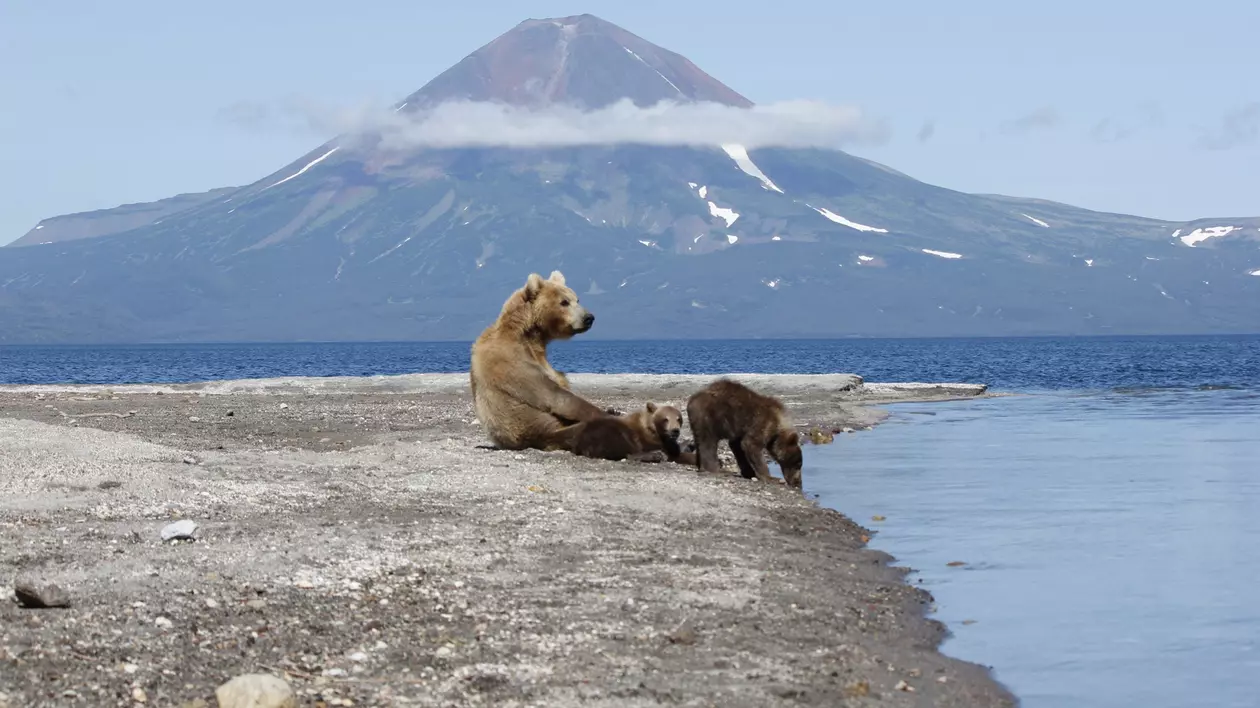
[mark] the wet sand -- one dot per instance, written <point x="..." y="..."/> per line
<point x="359" y="538"/>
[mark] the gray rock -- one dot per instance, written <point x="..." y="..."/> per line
<point x="256" y="691"/>
<point x="32" y="595"/>
<point x="182" y="529"/>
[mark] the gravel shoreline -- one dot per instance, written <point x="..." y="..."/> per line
<point x="358" y="538"/>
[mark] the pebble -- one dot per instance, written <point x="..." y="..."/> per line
<point x="212" y="603"/>
<point x="138" y="695"/>
<point x="32" y="595"/>
<point x="182" y="529"/>
<point x="256" y="691"/>
<point x="903" y="686"/>
<point x="283" y="406"/>
<point x="163" y="622"/>
<point x="230" y="413"/>
<point x="190" y="460"/>
<point x="193" y="419"/>
<point x="684" y="634"/>
<point x="130" y="668"/>
<point x="256" y="604"/>
<point x="357" y="656"/>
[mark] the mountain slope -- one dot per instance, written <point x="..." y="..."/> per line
<point x="581" y="60"/>
<point x="103" y="222"/>
<point x="352" y="242"/>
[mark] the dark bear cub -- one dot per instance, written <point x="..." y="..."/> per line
<point x="643" y="435"/>
<point x="751" y="423"/>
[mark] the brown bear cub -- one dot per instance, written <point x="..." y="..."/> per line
<point x="642" y="436"/>
<point x="751" y="423"/>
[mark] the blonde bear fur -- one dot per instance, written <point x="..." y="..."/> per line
<point x="520" y="399"/>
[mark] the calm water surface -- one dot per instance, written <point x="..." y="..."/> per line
<point x="1015" y="364"/>
<point x="1111" y="538"/>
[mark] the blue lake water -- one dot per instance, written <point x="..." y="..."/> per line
<point x="1108" y="514"/>
<point x="1110" y="538"/>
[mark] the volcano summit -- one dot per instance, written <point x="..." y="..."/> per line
<point x="668" y="221"/>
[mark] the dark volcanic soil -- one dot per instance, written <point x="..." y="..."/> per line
<point x="369" y="549"/>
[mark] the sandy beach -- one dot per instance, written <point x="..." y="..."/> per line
<point x="359" y="538"/>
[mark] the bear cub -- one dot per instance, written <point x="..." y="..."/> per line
<point x="751" y="423"/>
<point x="641" y="435"/>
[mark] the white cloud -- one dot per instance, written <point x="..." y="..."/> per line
<point x="469" y="124"/>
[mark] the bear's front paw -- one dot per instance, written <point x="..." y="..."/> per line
<point x="654" y="457"/>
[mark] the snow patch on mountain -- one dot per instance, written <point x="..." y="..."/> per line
<point x="1201" y="235"/>
<point x="942" y="254"/>
<point x="1035" y="220"/>
<point x="395" y="248"/>
<point x="740" y="155"/>
<point x="308" y="166"/>
<point x="671" y="83"/>
<point x="841" y="220"/>
<point x="731" y="238"/>
<point x="729" y="215"/>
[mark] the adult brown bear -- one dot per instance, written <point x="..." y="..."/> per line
<point x="521" y="400"/>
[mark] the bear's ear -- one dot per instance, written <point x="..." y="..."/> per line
<point x="557" y="277"/>
<point x="651" y="407"/>
<point x="533" y="286"/>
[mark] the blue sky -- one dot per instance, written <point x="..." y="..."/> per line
<point x="1150" y="109"/>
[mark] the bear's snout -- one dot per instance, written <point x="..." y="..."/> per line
<point x="587" y="320"/>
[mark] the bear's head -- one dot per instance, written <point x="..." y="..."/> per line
<point x="666" y="421"/>
<point x="552" y="310"/>
<point x="785" y="448"/>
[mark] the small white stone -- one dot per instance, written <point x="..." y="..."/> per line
<point x="212" y="603"/>
<point x="182" y="529"/>
<point x="130" y="668"/>
<point x="256" y="691"/>
<point x="357" y="656"/>
<point x="163" y="622"/>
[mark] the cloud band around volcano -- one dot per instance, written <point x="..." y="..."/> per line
<point x="453" y="124"/>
